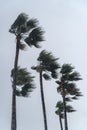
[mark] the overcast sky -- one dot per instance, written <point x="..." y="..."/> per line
<point x="65" y="26"/>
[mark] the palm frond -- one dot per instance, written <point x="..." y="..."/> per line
<point x="68" y="99"/>
<point x="54" y="74"/>
<point x="74" y="98"/>
<point x="20" y="21"/>
<point x="23" y="76"/>
<point x="75" y="76"/>
<point x="58" y="82"/>
<point x="27" y="89"/>
<point x="32" y="23"/>
<point x="60" y="109"/>
<point x="46" y="76"/>
<point x="22" y="46"/>
<point x="18" y="93"/>
<point x="69" y="108"/>
<point x="66" y="69"/>
<point x="35" y="36"/>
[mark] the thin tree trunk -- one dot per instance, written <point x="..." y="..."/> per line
<point x="13" y="120"/>
<point x="43" y="102"/>
<point x="61" y="125"/>
<point x="65" y="114"/>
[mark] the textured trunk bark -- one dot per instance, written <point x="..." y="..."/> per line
<point x="43" y="102"/>
<point x="65" y="114"/>
<point x="61" y="126"/>
<point x="13" y="120"/>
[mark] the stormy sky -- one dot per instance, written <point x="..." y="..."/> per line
<point x="65" y="26"/>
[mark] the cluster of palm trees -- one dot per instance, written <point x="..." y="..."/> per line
<point x="28" y="32"/>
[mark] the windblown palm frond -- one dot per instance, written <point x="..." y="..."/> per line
<point x="66" y="69"/>
<point x="60" y="108"/>
<point x="24" y="80"/>
<point x="46" y="76"/>
<point x="19" y="22"/>
<point x="75" y="76"/>
<point x="35" y="36"/>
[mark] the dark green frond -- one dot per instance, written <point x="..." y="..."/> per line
<point x="46" y="57"/>
<point x="35" y="36"/>
<point x="69" y="108"/>
<point x="75" y="76"/>
<point x="67" y="99"/>
<point x="34" y="67"/>
<point x="58" y="82"/>
<point x="66" y="69"/>
<point x="60" y="109"/>
<point x="58" y="112"/>
<point x="27" y="89"/>
<point x="32" y="23"/>
<point x="73" y="90"/>
<point x="46" y="76"/>
<point x="22" y="46"/>
<point x="59" y="89"/>
<point x="54" y="74"/>
<point x="59" y="104"/>
<point x="18" y="93"/>
<point x="74" y="98"/>
<point x="79" y="94"/>
<point x="21" y="20"/>
<point x="24" y="28"/>
<point x="22" y="76"/>
<point x="37" y="68"/>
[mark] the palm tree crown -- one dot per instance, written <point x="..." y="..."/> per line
<point x="27" y="30"/>
<point x="67" y="80"/>
<point x="47" y="64"/>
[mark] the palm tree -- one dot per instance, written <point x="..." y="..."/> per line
<point x="67" y="86"/>
<point x="27" y="31"/>
<point x="60" y="111"/>
<point x="47" y="69"/>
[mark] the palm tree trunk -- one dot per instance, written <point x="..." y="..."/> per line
<point x="65" y="114"/>
<point x="13" y="120"/>
<point x="43" y="102"/>
<point x="61" y="126"/>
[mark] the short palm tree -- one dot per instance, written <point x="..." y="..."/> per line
<point x="60" y="111"/>
<point x="26" y="31"/>
<point x="47" y="69"/>
<point x="67" y="86"/>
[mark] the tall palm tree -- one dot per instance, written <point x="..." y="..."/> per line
<point x="60" y="111"/>
<point x="27" y="31"/>
<point x="47" y="69"/>
<point x="67" y="86"/>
